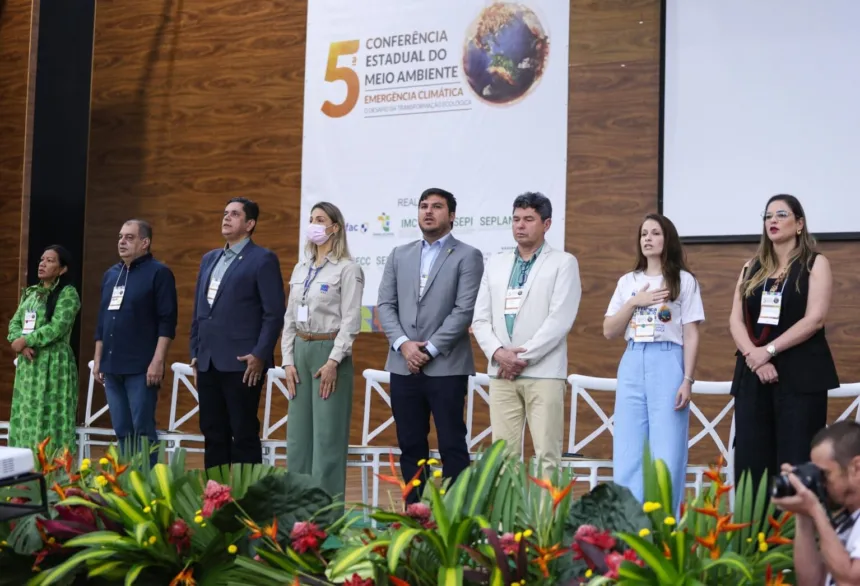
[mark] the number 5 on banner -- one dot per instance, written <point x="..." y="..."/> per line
<point x="345" y="74"/>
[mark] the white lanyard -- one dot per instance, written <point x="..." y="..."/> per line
<point x="118" y="292"/>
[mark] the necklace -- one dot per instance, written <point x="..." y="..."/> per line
<point x="779" y="279"/>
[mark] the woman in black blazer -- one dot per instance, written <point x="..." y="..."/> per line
<point x="784" y="365"/>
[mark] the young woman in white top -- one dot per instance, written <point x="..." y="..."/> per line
<point x="657" y="308"/>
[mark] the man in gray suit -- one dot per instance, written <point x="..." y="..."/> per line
<point x="426" y="300"/>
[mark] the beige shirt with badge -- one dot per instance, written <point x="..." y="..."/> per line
<point x="323" y="300"/>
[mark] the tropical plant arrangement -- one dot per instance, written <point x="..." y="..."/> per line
<point x="116" y="521"/>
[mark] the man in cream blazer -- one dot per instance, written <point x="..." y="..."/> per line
<point x="526" y="306"/>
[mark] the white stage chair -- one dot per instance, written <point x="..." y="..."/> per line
<point x="274" y="449"/>
<point x="88" y="435"/>
<point x="174" y="437"/>
<point x="374" y="457"/>
<point x="370" y="456"/>
<point x="847" y="391"/>
<point x="478" y="386"/>
<point x="581" y="385"/>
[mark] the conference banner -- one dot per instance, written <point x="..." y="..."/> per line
<point x="402" y="95"/>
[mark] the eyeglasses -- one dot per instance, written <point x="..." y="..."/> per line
<point x="780" y="215"/>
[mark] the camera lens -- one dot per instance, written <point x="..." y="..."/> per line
<point x="782" y="487"/>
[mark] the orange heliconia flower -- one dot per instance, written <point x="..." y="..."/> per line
<point x="777" y="538"/>
<point x="184" y="578"/>
<point x="59" y="490"/>
<point x="397" y="581"/>
<point x="270" y="531"/>
<point x="66" y="461"/>
<point x="44" y="465"/>
<point x="394" y="478"/>
<point x="546" y="555"/>
<point x="714" y="471"/>
<point x="557" y="494"/>
<point x="771" y="580"/>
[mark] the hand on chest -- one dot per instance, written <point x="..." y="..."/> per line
<point x="652" y="322"/>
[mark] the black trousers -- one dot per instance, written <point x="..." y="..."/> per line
<point x="228" y="418"/>
<point x="774" y="427"/>
<point x="413" y="399"/>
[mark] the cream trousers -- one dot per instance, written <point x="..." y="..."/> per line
<point x="538" y="401"/>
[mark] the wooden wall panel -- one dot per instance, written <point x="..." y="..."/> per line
<point x="198" y="101"/>
<point x="16" y="127"/>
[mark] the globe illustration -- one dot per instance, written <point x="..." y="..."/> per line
<point x="505" y="52"/>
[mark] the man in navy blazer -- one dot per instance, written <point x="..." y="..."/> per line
<point x="239" y="310"/>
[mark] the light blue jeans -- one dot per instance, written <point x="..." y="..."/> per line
<point x="649" y="376"/>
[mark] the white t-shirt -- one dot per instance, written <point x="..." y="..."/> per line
<point x="849" y="535"/>
<point x="671" y="315"/>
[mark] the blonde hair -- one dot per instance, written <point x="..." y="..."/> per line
<point x="339" y="246"/>
<point x="765" y="256"/>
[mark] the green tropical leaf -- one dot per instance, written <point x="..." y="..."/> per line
<point x="99" y="539"/>
<point x="653" y="558"/>
<point x="401" y="540"/>
<point x="56" y="574"/>
<point x="482" y="480"/>
<point x="731" y="561"/>
<point x="351" y="557"/>
<point x="134" y="572"/>
<point x="290" y="497"/>
<point x="451" y="576"/>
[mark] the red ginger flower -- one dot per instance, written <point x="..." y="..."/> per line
<point x="357" y="580"/>
<point x="602" y="540"/>
<point x="614" y="559"/>
<point x="215" y="496"/>
<point x="421" y="513"/>
<point x="509" y="544"/>
<point x="179" y="535"/>
<point x="306" y="536"/>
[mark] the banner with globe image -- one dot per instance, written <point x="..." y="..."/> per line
<point x="401" y="95"/>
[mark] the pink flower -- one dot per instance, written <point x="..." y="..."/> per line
<point x="179" y="535"/>
<point x="421" y="513"/>
<point x="306" y="536"/>
<point x="614" y="560"/>
<point x="509" y="544"/>
<point x="357" y="580"/>
<point x="215" y="496"/>
<point x="602" y="540"/>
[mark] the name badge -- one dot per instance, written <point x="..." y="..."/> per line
<point x="302" y="313"/>
<point x="116" y="298"/>
<point x="212" y="291"/>
<point x="422" y="283"/>
<point x="644" y="324"/>
<point x="29" y="322"/>
<point x="513" y="301"/>
<point x="771" y="306"/>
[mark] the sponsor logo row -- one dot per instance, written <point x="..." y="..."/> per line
<point x="385" y="226"/>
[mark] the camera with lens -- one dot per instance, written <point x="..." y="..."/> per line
<point x="809" y="475"/>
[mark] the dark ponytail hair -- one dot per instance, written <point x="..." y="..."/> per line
<point x="65" y="258"/>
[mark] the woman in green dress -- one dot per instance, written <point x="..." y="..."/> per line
<point x="45" y="397"/>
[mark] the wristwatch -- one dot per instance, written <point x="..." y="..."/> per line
<point x="771" y="349"/>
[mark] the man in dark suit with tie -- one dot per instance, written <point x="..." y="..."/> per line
<point x="239" y="310"/>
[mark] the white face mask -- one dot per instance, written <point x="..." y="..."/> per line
<point x="316" y="233"/>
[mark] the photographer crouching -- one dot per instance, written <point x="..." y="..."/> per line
<point x="831" y="481"/>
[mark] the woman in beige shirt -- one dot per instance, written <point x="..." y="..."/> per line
<point x="322" y="320"/>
